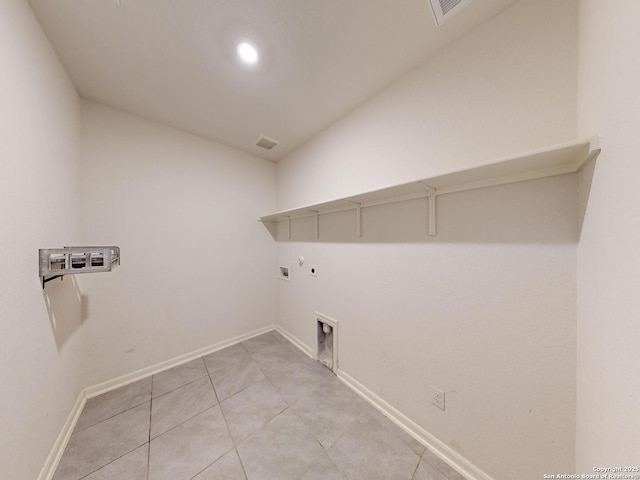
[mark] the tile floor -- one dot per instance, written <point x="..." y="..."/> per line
<point x="258" y="410"/>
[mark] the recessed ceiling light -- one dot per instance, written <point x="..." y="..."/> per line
<point x="247" y="53"/>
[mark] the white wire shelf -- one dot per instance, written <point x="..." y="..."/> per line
<point x="555" y="160"/>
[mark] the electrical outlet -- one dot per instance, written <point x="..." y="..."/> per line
<point x="437" y="397"/>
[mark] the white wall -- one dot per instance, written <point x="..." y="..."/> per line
<point x="507" y="87"/>
<point x="40" y="337"/>
<point x="486" y="309"/>
<point x="608" y="380"/>
<point x="197" y="265"/>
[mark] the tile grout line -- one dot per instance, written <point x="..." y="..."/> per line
<point x="190" y="418"/>
<point x="233" y="440"/>
<point x="245" y="440"/>
<point x="138" y="405"/>
<point x="149" y="436"/>
<point x="325" y="450"/>
<point x="109" y="463"/>
<point x="244" y="471"/>
<point x="287" y="407"/>
<point x="124" y="454"/>
<point x="417" y="467"/>
<point x="188" y="383"/>
<point x="270" y="379"/>
<point x="183" y="422"/>
<point x="290" y="407"/>
<point x="207" y="466"/>
<point x="109" y="418"/>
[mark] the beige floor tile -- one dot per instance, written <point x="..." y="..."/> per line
<point x="439" y="465"/>
<point x="323" y="469"/>
<point x="96" y="446"/>
<point x="225" y="358"/>
<point x="227" y="468"/>
<point x="264" y="341"/>
<point x="176" y="377"/>
<point x="252" y="408"/>
<point x="427" y="472"/>
<point x="181" y="404"/>
<point x="116" y="401"/>
<point x="186" y="450"/>
<point x="132" y="466"/>
<point x="301" y="380"/>
<point x="329" y="414"/>
<point x="275" y="358"/>
<point x="281" y="416"/>
<point x="393" y="430"/>
<point x="367" y="452"/>
<point x="453" y="475"/>
<point x="235" y="378"/>
<point x="283" y="449"/>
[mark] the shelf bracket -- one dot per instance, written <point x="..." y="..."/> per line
<point x="45" y="280"/>
<point x="289" y="228"/>
<point x="432" y="208"/>
<point x="317" y="223"/>
<point x="358" y="218"/>
<point x="432" y="214"/>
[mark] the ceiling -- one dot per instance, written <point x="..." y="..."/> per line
<point x="174" y="61"/>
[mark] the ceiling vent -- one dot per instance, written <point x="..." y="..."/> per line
<point x="443" y="10"/>
<point x="266" y="142"/>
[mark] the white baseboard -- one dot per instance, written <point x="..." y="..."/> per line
<point x="60" y="444"/>
<point x="437" y="447"/>
<point x="123" y="380"/>
<point x="446" y="453"/>
<point x="306" y="350"/>
<point x="458" y="462"/>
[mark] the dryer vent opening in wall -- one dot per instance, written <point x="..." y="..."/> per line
<point x="327" y="348"/>
<point x="443" y="10"/>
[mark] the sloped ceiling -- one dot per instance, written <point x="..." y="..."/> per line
<point x="174" y="61"/>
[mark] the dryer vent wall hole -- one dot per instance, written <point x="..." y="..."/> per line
<point x="327" y="349"/>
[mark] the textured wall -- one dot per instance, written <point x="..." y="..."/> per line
<point x="486" y="309"/>
<point x="196" y="263"/>
<point x="608" y="383"/>
<point x="40" y="330"/>
<point x="507" y="87"/>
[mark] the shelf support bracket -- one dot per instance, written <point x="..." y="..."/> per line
<point x="358" y="218"/>
<point x="432" y="208"/>
<point x="45" y="280"/>
<point x="289" y="228"/>
<point x="317" y="223"/>
<point x="432" y="214"/>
